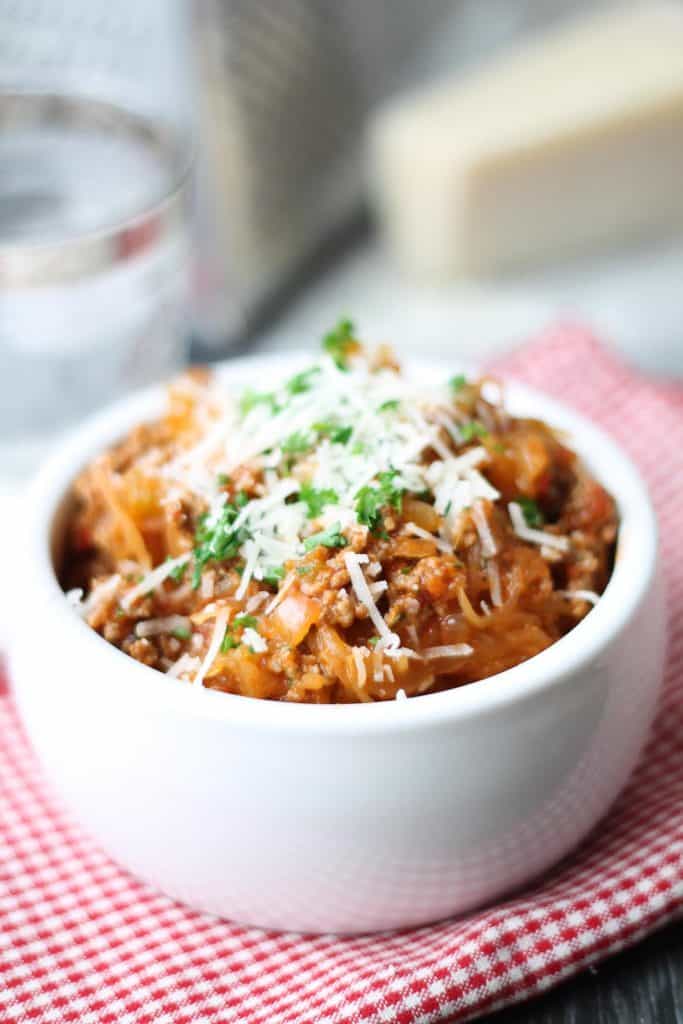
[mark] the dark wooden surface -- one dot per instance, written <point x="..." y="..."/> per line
<point x="643" y="985"/>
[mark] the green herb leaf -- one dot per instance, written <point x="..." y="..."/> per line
<point x="217" y="540"/>
<point x="181" y="633"/>
<point x="273" y="575"/>
<point x="229" y="642"/>
<point x="178" y="571"/>
<point x="337" y="342"/>
<point x="250" y="399"/>
<point x="337" y="434"/>
<point x="303" y="381"/>
<point x="330" y="538"/>
<point x="245" y="621"/>
<point x="532" y="513"/>
<point x="223" y="480"/>
<point x="391" y="405"/>
<point x="457" y="383"/>
<point x="371" y="500"/>
<point x="373" y="641"/>
<point x="473" y="429"/>
<point x="297" y="443"/>
<point x="303" y="570"/>
<point x="316" y="499"/>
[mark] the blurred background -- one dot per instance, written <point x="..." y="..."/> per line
<point x="191" y="179"/>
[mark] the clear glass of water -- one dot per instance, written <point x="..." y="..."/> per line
<point x="94" y="263"/>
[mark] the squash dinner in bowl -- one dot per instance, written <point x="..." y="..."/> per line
<point x="342" y="647"/>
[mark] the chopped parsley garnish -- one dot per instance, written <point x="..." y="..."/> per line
<point x="336" y="433"/>
<point x="373" y="641"/>
<point x="358" y="448"/>
<point x="406" y="570"/>
<point x="330" y="538"/>
<point x="303" y="570"/>
<point x="391" y="405"/>
<point x="457" y="383"/>
<point x="473" y="429"/>
<point x="181" y="633"/>
<point x="371" y="500"/>
<point x="250" y="399"/>
<point x="297" y="443"/>
<point x="532" y="513"/>
<point x="229" y="642"/>
<point x="178" y="571"/>
<point x="217" y="540"/>
<point x="303" y="381"/>
<point x="338" y="341"/>
<point x="316" y="499"/>
<point x="223" y="480"/>
<point x="274" y="574"/>
<point x="245" y="621"/>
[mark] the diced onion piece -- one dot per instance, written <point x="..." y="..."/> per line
<point x="270" y="608"/>
<point x="421" y="514"/>
<point x="293" y="618"/>
<point x="414" y="547"/>
<point x="254" y="640"/>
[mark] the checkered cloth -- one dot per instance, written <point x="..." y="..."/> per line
<point x="82" y="941"/>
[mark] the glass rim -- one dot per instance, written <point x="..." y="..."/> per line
<point x="32" y="263"/>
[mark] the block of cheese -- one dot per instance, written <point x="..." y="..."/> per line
<point x="573" y="141"/>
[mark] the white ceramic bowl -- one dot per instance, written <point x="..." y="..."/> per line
<point x="341" y="818"/>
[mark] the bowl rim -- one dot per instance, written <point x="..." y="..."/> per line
<point x="632" y="577"/>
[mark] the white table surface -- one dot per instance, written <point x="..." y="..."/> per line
<point x="634" y="300"/>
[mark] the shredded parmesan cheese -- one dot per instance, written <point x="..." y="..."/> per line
<point x="216" y="640"/>
<point x="167" y="624"/>
<point x="448" y="651"/>
<point x="495" y="586"/>
<point x="152" y="580"/>
<point x="580" y="595"/>
<point x="488" y="544"/>
<point x="186" y="665"/>
<point x="520" y="527"/>
<point x="362" y="591"/>
<point x="418" y="531"/>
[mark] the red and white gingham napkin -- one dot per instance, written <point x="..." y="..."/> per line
<point x="82" y="941"/>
